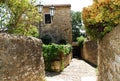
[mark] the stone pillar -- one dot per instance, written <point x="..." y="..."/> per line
<point x="21" y="58"/>
<point x="109" y="56"/>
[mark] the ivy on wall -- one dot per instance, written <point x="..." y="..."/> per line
<point x="101" y="17"/>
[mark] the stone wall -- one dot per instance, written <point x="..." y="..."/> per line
<point x="60" y="28"/>
<point x="59" y="65"/>
<point x="109" y="56"/>
<point x="90" y="52"/>
<point x="21" y="58"/>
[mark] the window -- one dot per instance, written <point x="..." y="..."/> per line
<point x="47" y="19"/>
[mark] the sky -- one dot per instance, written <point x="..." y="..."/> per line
<point x="76" y="5"/>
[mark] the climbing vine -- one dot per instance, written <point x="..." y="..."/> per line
<point x="101" y="17"/>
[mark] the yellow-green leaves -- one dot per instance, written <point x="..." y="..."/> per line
<point x="24" y="17"/>
<point x="101" y="17"/>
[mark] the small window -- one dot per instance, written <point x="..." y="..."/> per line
<point x="47" y="19"/>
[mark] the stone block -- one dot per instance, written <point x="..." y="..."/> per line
<point x="90" y="52"/>
<point x="109" y="56"/>
<point x="58" y="65"/>
<point x="21" y="58"/>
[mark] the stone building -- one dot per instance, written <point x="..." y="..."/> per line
<point x="59" y="28"/>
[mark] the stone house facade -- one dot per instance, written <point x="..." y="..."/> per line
<point x="59" y="27"/>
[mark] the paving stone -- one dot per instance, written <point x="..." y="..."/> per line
<point x="89" y="79"/>
<point x="78" y="70"/>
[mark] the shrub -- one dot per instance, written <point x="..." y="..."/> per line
<point x="80" y="40"/>
<point x="53" y="51"/>
<point x="62" y="41"/>
<point x="101" y="17"/>
<point x="46" y="39"/>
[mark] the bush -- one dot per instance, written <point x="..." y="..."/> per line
<point x="80" y="40"/>
<point x="46" y="39"/>
<point x="53" y="51"/>
<point x="101" y="17"/>
<point x="62" y="41"/>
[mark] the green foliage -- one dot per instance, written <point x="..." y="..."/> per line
<point x="101" y="17"/>
<point x="80" y="40"/>
<point x="31" y="31"/>
<point x="62" y="41"/>
<point x="46" y="39"/>
<point x="76" y="25"/>
<point x="23" y="17"/>
<point x="53" y="51"/>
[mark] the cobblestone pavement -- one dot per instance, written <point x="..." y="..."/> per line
<point x="78" y="70"/>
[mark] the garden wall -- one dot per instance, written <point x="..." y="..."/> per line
<point x="21" y="58"/>
<point x="109" y="56"/>
<point x="90" y="52"/>
<point x="59" y="65"/>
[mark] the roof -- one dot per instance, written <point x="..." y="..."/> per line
<point x="58" y="5"/>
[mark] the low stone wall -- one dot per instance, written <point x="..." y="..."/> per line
<point x="109" y="56"/>
<point x="59" y="65"/>
<point x="90" y="52"/>
<point x="21" y="58"/>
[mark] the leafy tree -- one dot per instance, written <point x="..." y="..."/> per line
<point x="76" y="25"/>
<point x="24" y="17"/>
<point x="101" y="17"/>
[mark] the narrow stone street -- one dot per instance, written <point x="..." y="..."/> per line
<point x="78" y="70"/>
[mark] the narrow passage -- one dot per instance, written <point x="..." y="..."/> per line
<point x="78" y="70"/>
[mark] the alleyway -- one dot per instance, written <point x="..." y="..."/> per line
<point x="78" y="70"/>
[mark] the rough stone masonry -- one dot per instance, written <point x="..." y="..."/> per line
<point x="109" y="56"/>
<point x="90" y="52"/>
<point x="21" y="58"/>
<point x="60" y="27"/>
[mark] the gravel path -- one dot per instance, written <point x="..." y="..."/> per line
<point x="78" y="70"/>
